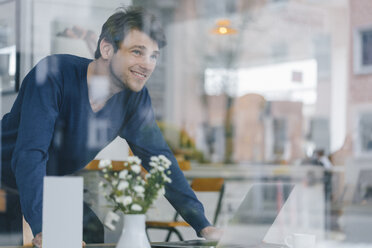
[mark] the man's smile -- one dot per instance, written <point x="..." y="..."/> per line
<point x="138" y="74"/>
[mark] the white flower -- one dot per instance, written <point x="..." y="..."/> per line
<point x="136" y="207"/>
<point x="130" y="180"/>
<point x="136" y="168"/>
<point x="137" y="160"/>
<point x="123" y="185"/>
<point x="104" y="163"/>
<point x="123" y="174"/>
<point x="119" y="199"/>
<point x="167" y="179"/>
<point x="154" y="159"/>
<point x="139" y="189"/>
<point x="153" y="164"/>
<point x="127" y="200"/>
<point x="167" y="164"/>
<point x="164" y="159"/>
<point x="134" y="159"/>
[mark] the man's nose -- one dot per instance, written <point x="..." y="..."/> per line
<point x="147" y="63"/>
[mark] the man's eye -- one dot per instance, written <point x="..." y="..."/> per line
<point x="137" y="52"/>
<point x="154" y="57"/>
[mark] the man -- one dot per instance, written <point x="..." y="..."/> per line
<point x="69" y="108"/>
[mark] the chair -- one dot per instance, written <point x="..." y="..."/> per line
<point x="2" y="201"/>
<point x="93" y="165"/>
<point x="198" y="185"/>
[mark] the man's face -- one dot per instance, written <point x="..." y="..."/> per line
<point x="135" y="60"/>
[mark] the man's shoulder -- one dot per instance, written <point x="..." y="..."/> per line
<point x="57" y="65"/>
<point x="61" y="60"/>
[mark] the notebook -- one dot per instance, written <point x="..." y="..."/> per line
<point x="250" y="223"/>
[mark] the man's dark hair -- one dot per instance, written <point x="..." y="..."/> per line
<point x="123" y="21"/>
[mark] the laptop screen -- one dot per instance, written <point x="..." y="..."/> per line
<point x="255" y="215"/>
<point x="252" y="220"/>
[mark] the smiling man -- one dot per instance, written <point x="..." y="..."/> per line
<point x="69" y="108"/>
<point x="128" y="67"/>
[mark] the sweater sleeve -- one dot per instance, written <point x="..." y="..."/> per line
<point x="39" y="98"/>
<point x="145" y="139"/>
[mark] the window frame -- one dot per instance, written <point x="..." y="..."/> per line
<point x="358" y="50"/>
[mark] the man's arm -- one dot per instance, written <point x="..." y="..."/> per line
<point x="38" y="102"/>
<point x="145" y="139"/>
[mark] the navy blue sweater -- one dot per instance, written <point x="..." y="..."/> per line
<point x="52" y="130"/>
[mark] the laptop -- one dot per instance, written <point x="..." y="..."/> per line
<point x="250" y="223"/>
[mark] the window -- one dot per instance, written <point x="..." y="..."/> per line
<point x="363" y="50"/>
<point x="365" y="133"/>
<point x="8" y="72"/>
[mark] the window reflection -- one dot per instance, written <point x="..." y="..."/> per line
<point x="253" y="105"/>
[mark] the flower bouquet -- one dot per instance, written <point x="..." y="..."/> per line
<point x="133" y="192"/>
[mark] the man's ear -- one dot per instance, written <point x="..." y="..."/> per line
<point x="106" y="49"/>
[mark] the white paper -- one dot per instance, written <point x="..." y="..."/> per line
<point x="63" y="212"/>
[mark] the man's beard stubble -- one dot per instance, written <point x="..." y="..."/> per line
<point x="116" y="81"/>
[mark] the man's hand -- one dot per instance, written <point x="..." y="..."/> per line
<point x="37" y="241"/>
<point x="211" y="233"/>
